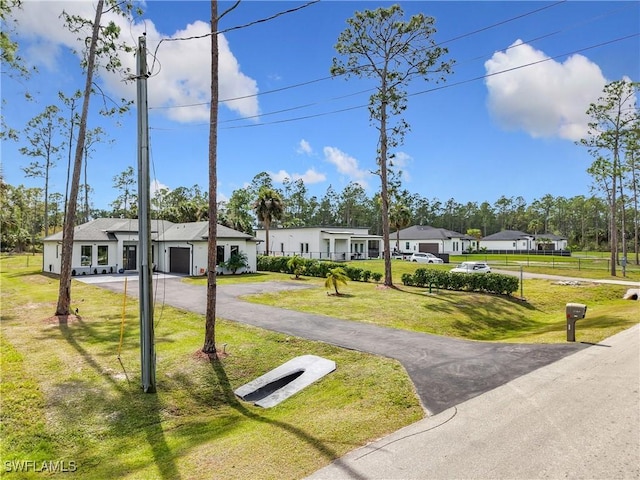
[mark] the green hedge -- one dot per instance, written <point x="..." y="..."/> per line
<point x="315" y="268"/>
<point x="472" y="282"/>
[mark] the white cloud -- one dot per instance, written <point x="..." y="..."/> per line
<point x="545" y="100"/>
<point x="346" y="165"/>
<point x="181" y="69"/>
<point x="304" y="147"/>
<point x="155" y="186"/>
<point x="309" y="177"/>
<point x="401" y="162"/>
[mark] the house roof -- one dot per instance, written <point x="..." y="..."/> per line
<point x="511" y="235"/>
<point x="198" y="231"/>
<point x="105" y="229"/>
<point x="508" y="235"/>
<point x="426" y="232"/>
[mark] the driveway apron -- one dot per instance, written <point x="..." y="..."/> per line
<point x="445" y="371"/>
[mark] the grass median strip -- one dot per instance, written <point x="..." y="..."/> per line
<point x="65" y="397"/>
<point x="474" y="316"/>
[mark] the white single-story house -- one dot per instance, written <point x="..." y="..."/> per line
<point x="423" y="238"/>
<point x="515" y="240"/>
<point x="331" y="243"/>
<point x="110" y="245"/>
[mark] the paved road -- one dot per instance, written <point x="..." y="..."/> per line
<point x="445" y="371"/>
<point x="576" y="418"/>
<point x="560" y="278"/>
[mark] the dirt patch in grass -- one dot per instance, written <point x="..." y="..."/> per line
<point x="62" y="319"/>
<point x="200" y="355"/>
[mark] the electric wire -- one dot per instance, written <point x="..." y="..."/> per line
<point x="237" y="27"/>
<point x="441" y="87"/>
<point x="307" y="105"/>
<point x="329" y="77"/>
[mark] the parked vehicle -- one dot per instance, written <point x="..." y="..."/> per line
<point x="422" y="257"/>
<point x="472" y="267"/>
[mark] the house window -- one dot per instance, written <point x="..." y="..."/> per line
<point x="406" y="245"/>
<point x="281" y="247"/>
<point x="103" y="255"/>
<point x="85" y="255"/>
<point x="219" y="254"/>
<point x="304" y="248"/>
<point x="514" y="244"/>
<point x="234" y="249"/>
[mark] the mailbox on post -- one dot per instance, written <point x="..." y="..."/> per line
<point x="575" y="312"/>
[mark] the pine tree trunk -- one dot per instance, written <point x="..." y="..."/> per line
<point x="64" y="292"/>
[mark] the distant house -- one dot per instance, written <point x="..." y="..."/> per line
<point x="110" y="245"/>
<point x="423" y="238"/>
<point x="332" y="243"/>
<point x="515" y="240"/>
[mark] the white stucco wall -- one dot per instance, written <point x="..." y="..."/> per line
<point x="450" y="246"/>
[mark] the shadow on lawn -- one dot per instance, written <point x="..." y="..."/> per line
<point x="233" y="402"/>
<point x="133" y="411"/>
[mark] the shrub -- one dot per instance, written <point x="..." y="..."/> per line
<point x="236" y="261"/>
<point x="354" y="274"/>
<point x="366" y="275"/>
<point x="377" y="276"/>
<point x="475" y="282"/>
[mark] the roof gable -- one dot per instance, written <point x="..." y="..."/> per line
<point x="107" y="229"/>
<point x="426" y="232"/>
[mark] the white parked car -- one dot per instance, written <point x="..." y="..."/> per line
<point x="472" y="267"/>
<point x="421" y="257"/>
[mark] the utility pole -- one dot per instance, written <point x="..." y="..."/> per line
<point x="145" y="260"/>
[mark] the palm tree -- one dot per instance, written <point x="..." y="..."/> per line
<point x="399" y="217"/>
<point x="268" y="207"/>
<point x="334" y="277"/>
<point x="296" y="265"/>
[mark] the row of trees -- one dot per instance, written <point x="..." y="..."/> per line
<point x="583" y="220"/>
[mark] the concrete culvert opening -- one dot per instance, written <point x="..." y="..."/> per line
<point x="286" y="380"/>
<point x="272" y="387"/>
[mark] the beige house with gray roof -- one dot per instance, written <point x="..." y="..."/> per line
<point x="110" y="245"/>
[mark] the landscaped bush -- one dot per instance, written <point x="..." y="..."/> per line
<point x="354" y="273"/>
<point x="473" y="282"/>
<point x="313" y="268"/>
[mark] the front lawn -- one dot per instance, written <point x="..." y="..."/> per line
<point x="65" y="397"/>
<point x="474" y="316"/>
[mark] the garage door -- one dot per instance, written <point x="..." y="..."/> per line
<point x="179" y="260"/>
<point x="428" y="247"/>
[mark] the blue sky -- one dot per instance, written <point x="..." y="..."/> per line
<point x="509" y="134"/>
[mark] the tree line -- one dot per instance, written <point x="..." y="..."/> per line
<point x="583" y="220"/>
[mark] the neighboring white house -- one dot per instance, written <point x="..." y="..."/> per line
<point x="423" y="238"/>
<point x="514" y="240"/>
<point x="332" y="243"/>
<point x="110" y="245"/>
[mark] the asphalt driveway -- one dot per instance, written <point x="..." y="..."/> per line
<point x="445" y="371"/>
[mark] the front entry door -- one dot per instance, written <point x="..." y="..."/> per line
<point x="129" y="258"/>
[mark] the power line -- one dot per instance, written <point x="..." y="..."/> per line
<point x="442" y="87"/>
<point x="230" y="29"/>
<point x="307" y="105"/>
<point x="329" y="77"/>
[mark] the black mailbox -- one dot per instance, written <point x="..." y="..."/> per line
<point x="575" y="312"/>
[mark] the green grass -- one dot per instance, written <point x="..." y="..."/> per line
<point x="65" y="396"/>
<point x="474" y="316"/>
